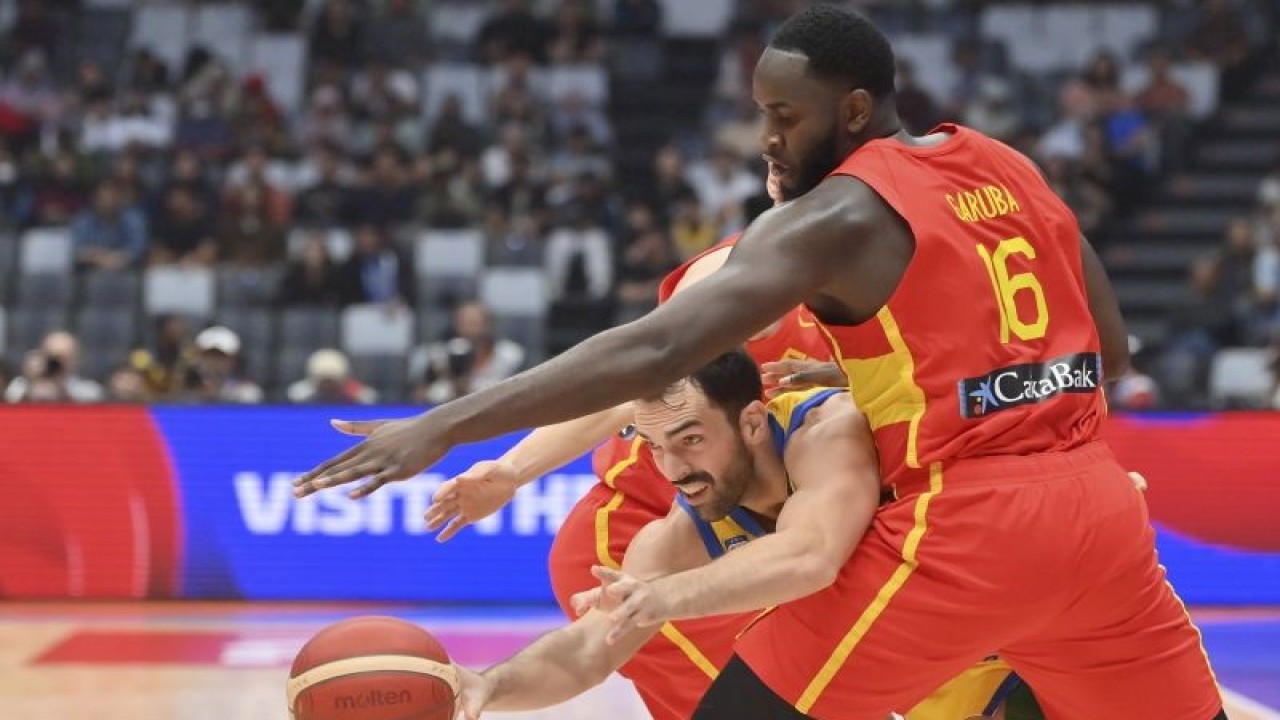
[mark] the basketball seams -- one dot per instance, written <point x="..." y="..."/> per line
<point x="371" y="663"/>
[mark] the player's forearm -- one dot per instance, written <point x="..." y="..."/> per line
<point x="554" y="446"/>
<point x="559" y="666"/>
<point x="765" y="572"/>
<point x="538" y="683"/>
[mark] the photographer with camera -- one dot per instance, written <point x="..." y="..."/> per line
<point x="471" y="359"/>
<point x="49" y="374"/>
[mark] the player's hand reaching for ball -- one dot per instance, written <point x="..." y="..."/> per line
<point x="787" y="375"/>
<point x="392" y="450"/>
<point x="471" y="496"/>
<point x="474" y="691"/>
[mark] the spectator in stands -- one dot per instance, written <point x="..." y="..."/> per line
<point x="337" y="37"/>
<point x="575" y="111"/>
<point x="1085" y="197"/>
<point x="312" y="279"/>
<point x="1266" y="275"/>
<point x="1077" y="110"/>
<point x="35" y="29"/>
<point x="256" y="120"/>
<point x="522" y="194"/>
<point x="518" y="103"/>
<point x="667" y="185"/>
<point x="183" y="232"/>
<point x="127" y="385"/>
<point x="576" y="35"/>
<point x="146" y="72"/>
<point x="579" y="155"/>
<point x="1216" y="314"/>
<point x="185" y="171"/>
<point x="1219" y="35"/>
<point x="991" y="110"/>
<point x="49" y="374"/>
<point x="126" y="171"/>
<point x="916" y="107"/>
<point x="329" y="382"/>
<point x="722" y="185"/>
<point x="512" y="243"/>
<point x="691" y="230"/>
<point x="376" y="272"/>
<point x="513" y="29"/>
<point x="453" y="133"/>
<point x="29" y="101"/>
<point x="215" y="377"/>
<point x="398" y="36"/>
<point x="1166" y="104"/>
<point x="472" y="359"/>
<point x="254" y="187"/>
<point x="55" y="197"/>
<point x="10" y="186"/>
<point x="328" y="202"/>
<point x="741" y="131"/>
<point x="109" y="236"/>
<point x="1135" y="390"/>
<point x="603" y="206"/>
<point x="738" y="57"/>
<point x="453" y="194"/>
<point x="647" y="259"/>
<point x="497" y="159"/>
<point x="1102" y="78"/>
<point x="204" y="130"/>
<point x="250" y="233"/>
<point x="579" y="258"/>
<point x="326" y="120"/>
<point x="389" y="197"/>
<point x="1273" y="364"/>
<point x="165" y="366"/>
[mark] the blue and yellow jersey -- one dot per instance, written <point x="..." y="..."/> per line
<point x="786" y="414"/>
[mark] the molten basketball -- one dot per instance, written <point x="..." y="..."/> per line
<point x="372" y="668"/>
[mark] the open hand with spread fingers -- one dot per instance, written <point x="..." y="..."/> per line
<point x="392" y="450"/>
<point x="482" y="490"/>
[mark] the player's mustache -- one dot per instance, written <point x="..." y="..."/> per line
<point x="699" y="476"/>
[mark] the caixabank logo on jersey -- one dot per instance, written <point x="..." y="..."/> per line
<point x="1029" y="383"/>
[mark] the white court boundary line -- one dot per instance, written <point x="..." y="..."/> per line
<point x="1237" y="702"/>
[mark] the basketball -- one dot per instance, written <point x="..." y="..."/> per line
<point x="372" y="668"/>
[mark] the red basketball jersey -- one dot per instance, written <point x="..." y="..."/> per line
<point x="987" y="346"/>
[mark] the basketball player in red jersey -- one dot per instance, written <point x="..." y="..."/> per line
<point x="975" y="325"/>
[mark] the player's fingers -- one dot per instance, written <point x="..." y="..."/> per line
<point x="307" y="479"/>
<point x="438" y="515"/>
<point x="356" y="427"/>
<point x="778" y="367"/>
<point x="1139" y="481"/>
<point x="453" y="528"/>
<point x="447" y="490"/>
<point x="606" y="576"/>
<point x="383" y="477"/>
<point x="584" y="601"/>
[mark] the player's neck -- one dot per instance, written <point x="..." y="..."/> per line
<point x="769" y="489"/>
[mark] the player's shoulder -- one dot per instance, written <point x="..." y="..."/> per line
<point x="805" y="408"/>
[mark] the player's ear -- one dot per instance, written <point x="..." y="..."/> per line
<point x="858" y="108"/>
<point x="753" y="423"/>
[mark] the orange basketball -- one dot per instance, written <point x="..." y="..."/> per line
<point x="372" y="668"/>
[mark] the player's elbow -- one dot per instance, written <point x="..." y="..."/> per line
<point x="1115" y="359"/>
<point x="814" y="573"/>
<point x="814" y="570"/>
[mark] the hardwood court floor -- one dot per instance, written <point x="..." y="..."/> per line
<point x="206" y="661"/>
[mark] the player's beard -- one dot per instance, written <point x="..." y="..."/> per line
<point x="728" y="490"/>
<point x="815" y="166"/>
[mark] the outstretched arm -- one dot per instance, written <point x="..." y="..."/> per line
<point x="788" y="255"/>
<point x="567" y="662"/>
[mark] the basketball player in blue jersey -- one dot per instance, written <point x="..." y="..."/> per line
<point x="799" y="478"/>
